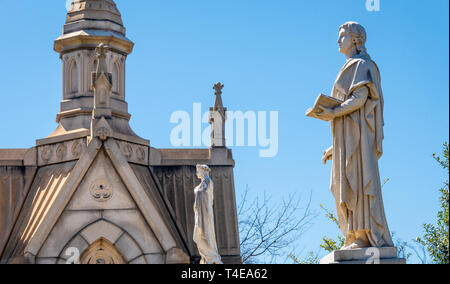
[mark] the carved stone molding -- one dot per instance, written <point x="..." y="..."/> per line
<point x="134" y="153"/>
<point x="61" y="152"/>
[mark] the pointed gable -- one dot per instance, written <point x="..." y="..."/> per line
<point x="99" y="186"/>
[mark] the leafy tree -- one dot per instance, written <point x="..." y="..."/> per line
<point x="436" y="237"/>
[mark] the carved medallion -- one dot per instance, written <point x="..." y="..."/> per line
<point x="140" y="153"/>
<point x="127" y="151"/>
<point x="61" y="151"/>
<point x="46" y="154"/>
<point x="77" y="148"/>
<point x="101" y="190"/>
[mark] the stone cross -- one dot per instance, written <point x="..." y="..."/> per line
<point x="218" y="87"/>
<point x="218" y="105"/>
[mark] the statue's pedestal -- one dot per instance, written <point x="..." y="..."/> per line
<point x="385" y="255"/>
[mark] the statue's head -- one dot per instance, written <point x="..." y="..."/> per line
<point x="202" y="171"/>
<point x="352" y="39"/>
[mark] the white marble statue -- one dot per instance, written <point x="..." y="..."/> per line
<point x="204" y="232"/>
<point x="357" y="130"/>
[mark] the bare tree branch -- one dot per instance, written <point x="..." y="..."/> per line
<point x="266" y="230"/>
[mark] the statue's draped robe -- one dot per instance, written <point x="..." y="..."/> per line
<point x="204" y="232"/>
<point x="357" y="146"/>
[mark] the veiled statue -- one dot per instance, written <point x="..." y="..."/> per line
<point x="355" y="110"/>
<point x="204" y="231"/>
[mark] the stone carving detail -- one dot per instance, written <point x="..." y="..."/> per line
<point x="204" y="230"/>
<point x="103" y="133"/>
<point x="101" y="190"/>
<point x="77" y="149"/>
<point x="216" y="176"/>
<point x="61" y="151"/>
<point x="140" y="154"/>
<point x="127" y="151"/>
<point x="169" y="175"/>
<point x="46" y="154"/>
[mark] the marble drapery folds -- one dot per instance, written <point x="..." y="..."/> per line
<point x="204" y="232"/>
<point x="358" y="137"/>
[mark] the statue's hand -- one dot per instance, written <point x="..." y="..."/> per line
<point x="326" y="114"/>
<point x="327" y="155"/>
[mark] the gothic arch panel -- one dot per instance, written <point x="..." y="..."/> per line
<point x="102" y="252"/>
<point x="92" y="69"/>
<point x="103" y="238"/>
<point x="117" y="78"/>
<point x="74" y="75"/>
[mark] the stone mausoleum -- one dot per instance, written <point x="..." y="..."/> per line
<point x="94" y="191"/>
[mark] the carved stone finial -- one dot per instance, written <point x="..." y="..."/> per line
<point x="218" y="105"/>
<point x="218" y="88"/>
<point x="101" y="51"/>
<point x="217" y="118"/>
<point x="102" y="80"/>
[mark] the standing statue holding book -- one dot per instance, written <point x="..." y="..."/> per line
<point x="355" y="110"/>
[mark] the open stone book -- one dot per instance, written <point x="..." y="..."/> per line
<point x="325" y="101"/>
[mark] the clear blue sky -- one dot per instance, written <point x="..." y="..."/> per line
<point x="272" y="55"/>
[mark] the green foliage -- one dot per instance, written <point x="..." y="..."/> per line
<point x="436" y="238"/>
<point x="330" y="244"/>
<point x="310" y="259"/>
